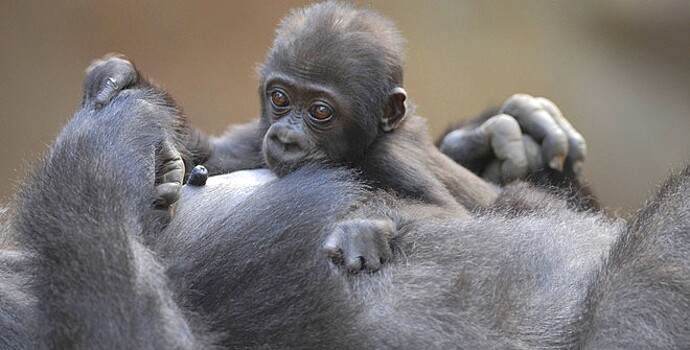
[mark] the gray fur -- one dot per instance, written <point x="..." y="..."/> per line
<point x="244" y="269"/>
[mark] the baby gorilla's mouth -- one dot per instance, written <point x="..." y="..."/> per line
<point x="291" y="148"/>
<point x="283" y="158"/>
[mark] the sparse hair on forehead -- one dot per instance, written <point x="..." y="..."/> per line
<point x="334" y="33"/>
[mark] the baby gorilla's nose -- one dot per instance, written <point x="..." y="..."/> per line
<point x="285" y="145"/>
<point x="289" y="144"/>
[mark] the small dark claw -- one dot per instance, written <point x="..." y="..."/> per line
<point x="198" y="176"/>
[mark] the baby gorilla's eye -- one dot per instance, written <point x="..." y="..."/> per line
<point x="279" y="99"/>
<point x="320" y="112"/>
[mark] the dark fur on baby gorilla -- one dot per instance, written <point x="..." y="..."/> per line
<point x="331" y="91"/>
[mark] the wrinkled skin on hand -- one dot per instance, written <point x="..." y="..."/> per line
<point x="105" y="79"/>
<point x="526" y="135"/>
<point x="360" y="244"/>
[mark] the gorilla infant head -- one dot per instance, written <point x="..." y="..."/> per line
<point x="330" y="85"/>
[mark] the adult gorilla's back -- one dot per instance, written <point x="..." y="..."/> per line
<point x="516" y="275"/>
<point x="528" y="272"/>
<point x="250" y="259"/>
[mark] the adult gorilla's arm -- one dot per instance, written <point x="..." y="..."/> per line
<point x="527" y="138"/>
<point x="83" y="214"/>
<point x="642" y="293"/>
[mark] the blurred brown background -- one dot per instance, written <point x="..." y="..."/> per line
<point x="620" y="70"/>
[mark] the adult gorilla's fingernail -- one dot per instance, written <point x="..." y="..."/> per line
<point x="556" y="163"/>
<point x="577" y="167"/>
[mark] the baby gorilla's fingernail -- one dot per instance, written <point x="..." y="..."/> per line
<point x="198" y="176"/>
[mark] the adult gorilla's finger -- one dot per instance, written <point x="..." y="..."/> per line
<point x="492" y="172"/>
<point x="577" y="147"/>
<point x="167" y="194"/>
<point x="170" y="175"/>
<point x="506" y="143"/>
<point x="107" y="77"/>
<point x="499" y="137"/>
<point x="533" y="154"/>
<point x="538" y="123"/>
<point x="172" y="166"/>
<point x="467" y="145"/>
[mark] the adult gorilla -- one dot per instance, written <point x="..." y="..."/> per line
<point x="88" y="261"/>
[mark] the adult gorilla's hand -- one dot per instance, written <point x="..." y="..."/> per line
<point x="108" y="76"/>
<point x="527" y="135"/>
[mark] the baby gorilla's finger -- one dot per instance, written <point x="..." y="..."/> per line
<point x="332" y="247"/>
<point x="354" y="263"/>
<point x="372" y="262"/>
<point x="360" y="244"/>
<point x="577" y="147"/>
<point x="538" y="123"/>
<point x="381" y="232"/>
<point x="356" y="249"/>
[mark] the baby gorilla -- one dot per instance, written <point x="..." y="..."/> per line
<point x="331" y="92"/>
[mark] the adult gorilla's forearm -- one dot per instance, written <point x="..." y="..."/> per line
<point x="82" y="215"/>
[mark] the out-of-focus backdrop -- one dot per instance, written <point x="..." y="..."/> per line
<point x="620" y="70"/>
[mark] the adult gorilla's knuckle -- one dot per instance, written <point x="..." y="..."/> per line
<point x="504" y="123"/>
<point x="517" y="100"/>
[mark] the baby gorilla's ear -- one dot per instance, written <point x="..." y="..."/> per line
<point x="395" y="110"/>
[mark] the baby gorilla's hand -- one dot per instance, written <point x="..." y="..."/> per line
<point x="106" y="77"/>
<point x="360" y="244"/>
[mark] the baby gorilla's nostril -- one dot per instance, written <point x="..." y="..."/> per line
<point x="286" y="145"/>
<point x="275" y="138"/>
<point x="291" y="147"/>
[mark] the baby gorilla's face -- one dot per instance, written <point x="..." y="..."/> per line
<point x="305" y="122"/>
<point x="329" y="87"/>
